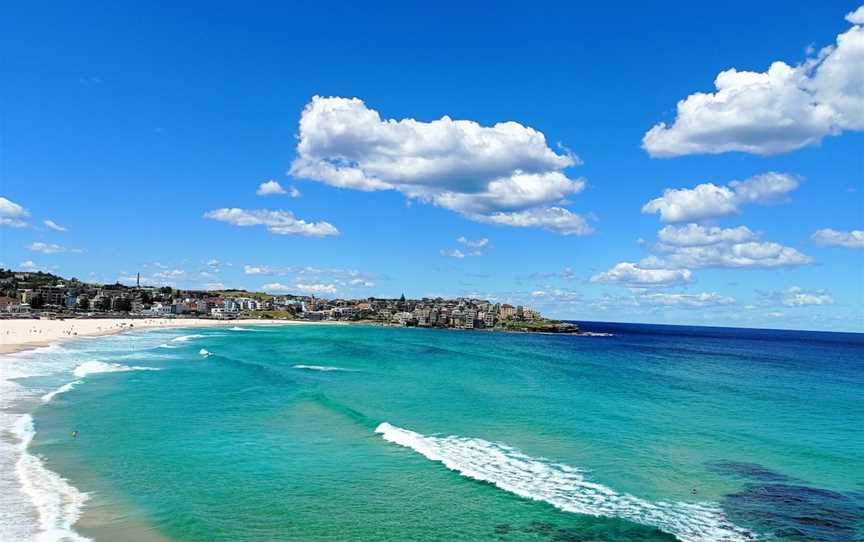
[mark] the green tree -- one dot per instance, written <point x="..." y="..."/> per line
<point x="84" y="303"/>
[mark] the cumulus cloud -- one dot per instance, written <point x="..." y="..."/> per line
<point x="633" y="275"/>
<point x="275" y="287"/>
<point x="256" y="270"/>
<point x="711" y="201"/>
<point x="478" y="171"/>
<point x="555" y="219"/>
<point x="780" y="110"/>
<point x="276" y="222"/>
<point x="848" y="239"/>
<point x="696" y="246"/>
<point x="50" y="224"/>
<point x="51" y="248"/>
<point x="796" y="296"/>
<point x="12" y="214"/>
<point x="316" y="288"/>
<point x="270" y="188"/>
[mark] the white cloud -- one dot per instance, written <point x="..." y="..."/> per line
<point x="475" y="170"/>
<point x="478" y="243"/>
<point x="30" y="265"/>
<point x="51" y="248"/>
<point x="316" y="288"/>
<point x="269" y="188"/>
<point x="772" y="112"/>
<point x="293" y="192"/>
<point x="275" y="287"/>
<point x="848" y="239"/>
<point x="169" y="274"/>
<point x="695" y="235"/>
<point x="277" y="222"/>
<point x="214" y="286"/>
<point x="632" y="275"/>
<point x="361" y="283"/>
<point x="799" y="297"/>
<point x="857" y="16"/>
<point x="701" y="300"/>
<point x="256" y="270"/>
<point x="475" y="247"/>
<point x="695" y="246"/>
<point x="555" y="219"/>
<point x="50" y="224"/>
<point x="711" y="201"/>
<point x="455" y="253"/>
<point x="12" y="214"/>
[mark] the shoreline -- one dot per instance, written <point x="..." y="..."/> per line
<point x="19" y="335"/>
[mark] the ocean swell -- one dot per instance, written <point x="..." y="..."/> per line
<point x="565" y="487"/>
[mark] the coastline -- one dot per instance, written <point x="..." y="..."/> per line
<point x="48" y="506"/>
<point x="18" y="335"/>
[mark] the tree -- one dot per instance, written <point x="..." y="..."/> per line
<point x="84" y="303"/>
<point x="103" y="304"/>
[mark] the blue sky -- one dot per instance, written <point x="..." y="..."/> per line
<point x="145" y="131"/>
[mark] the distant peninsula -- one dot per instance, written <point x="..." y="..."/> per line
<point x="45" y="295"/>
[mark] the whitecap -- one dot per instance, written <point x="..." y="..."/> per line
<point x="206" y="353"/>
<point x="238" y="328"/>
<point x="319" y="368"/>
<point x="566" y="487"/>
<point x="184" y="338"/>
<point x="62" y="389"/>
<point x="94" y="367"/>
<point x="57" y="502"/>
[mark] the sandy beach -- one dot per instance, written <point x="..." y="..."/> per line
<point x="24" y="334"/>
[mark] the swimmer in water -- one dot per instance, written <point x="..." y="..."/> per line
<point x="74" y="434"/>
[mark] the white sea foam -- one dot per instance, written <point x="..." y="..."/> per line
<point x="93" y="367"/>
<point x="62" y="389"/>
<point x="238" y="328"/>
<point x="565" y="487"/>
<point x="319" y="368"/>
<point x="57" y="502"/>
<point x="185" y="338"/>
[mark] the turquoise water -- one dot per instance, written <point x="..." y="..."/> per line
<point x="366" y="433"/>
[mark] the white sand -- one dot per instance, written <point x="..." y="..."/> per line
<point x="23" y="334"/>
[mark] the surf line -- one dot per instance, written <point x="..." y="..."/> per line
<point x="565" y="487"/>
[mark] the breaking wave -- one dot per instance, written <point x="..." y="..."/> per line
<point x="565" y="487"/>
<point x="324" y="368"/>
<point x="184" y="338"/>
<point x="238" y="328"/>
<point x="62" y="389"/>
<point x="57" y="502"/>
<point x="94" y="367"/>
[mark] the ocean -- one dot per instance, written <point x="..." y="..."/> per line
<point x="364" y="433"/>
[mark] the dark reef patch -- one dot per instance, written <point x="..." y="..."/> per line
<point x="782" y="508"/>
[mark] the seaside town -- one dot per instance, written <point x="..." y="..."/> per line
<point x="47" y="296"/>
